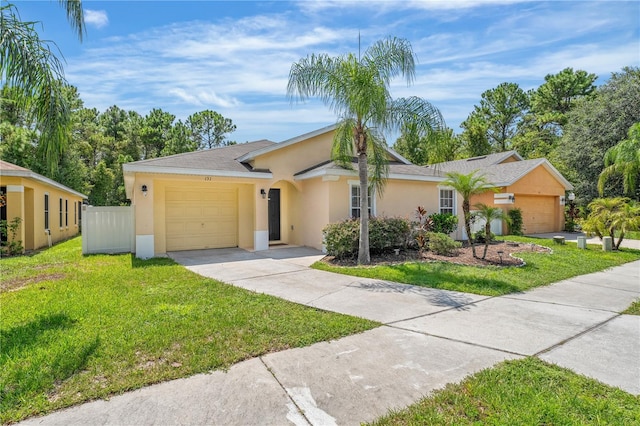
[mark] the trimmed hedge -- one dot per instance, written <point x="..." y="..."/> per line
<point x="443" y="223"/>
<point x="385" y="234"/>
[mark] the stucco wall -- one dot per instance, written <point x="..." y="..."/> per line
<point x="25" y="199"/>
<point x="289" y="160"/>
<point x="537" y="194"/>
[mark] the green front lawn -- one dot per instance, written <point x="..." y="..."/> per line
<point x="522" y="392"/>
<point x="76" y="328"/>
<point x="566" y="261"/>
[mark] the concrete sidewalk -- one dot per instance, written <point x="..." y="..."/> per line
<point x="429" y="338"/>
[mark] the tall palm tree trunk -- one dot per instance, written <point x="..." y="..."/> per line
<point x="466" y="209"/>
<point x="487" y="233"/>
<point x="363" y="250"/>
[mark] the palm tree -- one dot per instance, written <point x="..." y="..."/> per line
<point x="28" y="65"/>
<point x="623" y="159"/>
<point x="609" y="215"/>
<point x="488" y="214"/>
<point x="357" y="90"/>
<point x="467" y="186"/>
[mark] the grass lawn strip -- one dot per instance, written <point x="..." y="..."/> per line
<point x="522" y="392"/>
<point x="76" y="328"/>
<point x="566" y="261"/>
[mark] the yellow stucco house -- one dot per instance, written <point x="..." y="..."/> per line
<point x="534" y="186"/>
<point x="261" y="193"/>
<point x="50" y="211"/>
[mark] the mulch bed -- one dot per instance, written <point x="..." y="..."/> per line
<point x="462" y="256"/>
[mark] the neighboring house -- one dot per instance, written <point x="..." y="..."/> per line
<point x="50" y="211"/>
<point x="255" y="194"/>
<point x="534" y="186"/>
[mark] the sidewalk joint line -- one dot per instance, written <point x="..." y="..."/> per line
<point x="577" y="281"/>
<point x="459" y="341"/>
<point x="457" y="308"/>
<point x="558" y="304"/>
<point x="260" y="276"/>
<point x="569" y="339"/>
<point x="300" y="410"/>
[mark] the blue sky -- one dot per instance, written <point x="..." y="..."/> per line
<point x="234" y="57"/>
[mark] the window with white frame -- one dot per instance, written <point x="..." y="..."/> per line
<point x="354" y="201"/>
<point x="447" y="201"/>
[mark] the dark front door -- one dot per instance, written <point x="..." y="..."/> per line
<point x="274" y="215"/>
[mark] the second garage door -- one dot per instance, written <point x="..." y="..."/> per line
<point x="538" y="213"/>
<point x="201" y="219"/>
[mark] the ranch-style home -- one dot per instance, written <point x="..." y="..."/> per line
<point x="262" y="193"/>
<point x="50" y="212"/>
<point x="533" y="186"/>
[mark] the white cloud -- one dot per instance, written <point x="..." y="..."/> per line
<point x="97" y="18"/>
<point x="240" y="67"/>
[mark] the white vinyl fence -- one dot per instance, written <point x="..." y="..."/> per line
<point x="496" y="226"/>
<point x="107" y="230"/>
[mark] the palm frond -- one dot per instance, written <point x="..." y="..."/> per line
<point x="342" y="150"/>
<point x="75" y="16"/>
<point x="28" y="65"/>
<point x="378" y="160"/>
<point x="419" y="112"/>
<point x="390" y="58"/>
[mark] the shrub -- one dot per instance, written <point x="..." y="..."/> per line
<point x="420" y="228"/>
<point x="342" y="238"/>
<point x="515" y="221"/>
<point x="387" y="233"/>
<point x="444" y="223"/>
<point x="480" y="237"/>
<point x="442" y="244"/>
<point x="9" y="230"/>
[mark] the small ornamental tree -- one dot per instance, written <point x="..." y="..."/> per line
<point x="467" y="186"/>
<point x="487" y="213"/>
<point x="610" y="216"/>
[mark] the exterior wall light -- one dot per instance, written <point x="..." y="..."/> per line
<point x="263" y="193"/>
<point x="144" y="190"/>
<point x="512" y="198"/>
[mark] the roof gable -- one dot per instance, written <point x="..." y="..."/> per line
<point x="10" y="169"/>
<point x="501" y="169"/>
<point x="250" y="156"/>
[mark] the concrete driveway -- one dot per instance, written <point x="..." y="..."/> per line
<point x="429" y="338"/>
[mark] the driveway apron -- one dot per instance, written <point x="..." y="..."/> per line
<point x="429" y="338"/>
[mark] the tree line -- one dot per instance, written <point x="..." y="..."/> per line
<point x="100" y="142"/>
<point x="581" y="128"/>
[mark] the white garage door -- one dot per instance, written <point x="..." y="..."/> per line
<point x="200" y="219"/>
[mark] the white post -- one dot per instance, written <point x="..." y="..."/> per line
<point x="582" y="242"/>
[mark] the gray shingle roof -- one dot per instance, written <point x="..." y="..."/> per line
<point x="395" y="168"/>
<point x="469" y="165"/>
<point x="10" y="169"/>
<point x="220" y="159"/>
<point x="499" y="174"/>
